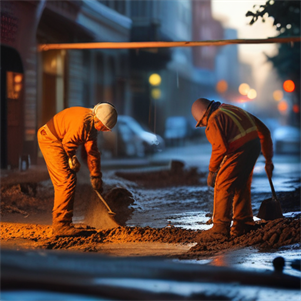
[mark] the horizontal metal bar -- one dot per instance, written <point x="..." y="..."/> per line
<point x="162" y="44"/>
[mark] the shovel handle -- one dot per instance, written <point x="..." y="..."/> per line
<point x="272" y="186"/>
<point x="104" y="202"/>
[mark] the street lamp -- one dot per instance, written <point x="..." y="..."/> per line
<point x="252" y="94"/>
<point x="243" y="89"/>
<point x="154" y="79"/>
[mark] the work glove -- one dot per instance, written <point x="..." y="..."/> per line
<point x="74" y="164"/>
<point x="96" y="183"/>
<point x="211" y="178"/>
<point x="269" y="167"/>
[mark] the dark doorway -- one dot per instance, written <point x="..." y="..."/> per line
<point x="12" y="128"/>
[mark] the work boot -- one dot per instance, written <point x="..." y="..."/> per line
<point x="67" y="231"/>
<point x="241" y="228"/>
<point x="217" y="232"/>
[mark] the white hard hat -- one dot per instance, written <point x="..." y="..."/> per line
<point x="106" y="113"/>
<point x="198" y="109"/>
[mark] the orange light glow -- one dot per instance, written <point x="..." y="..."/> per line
<point x="289" y="86"/>
<point x="296" y="109"/>
<point x="18" y="87"/>
<point x="219" y="261"/>
<point x="13" y="84"/>
<point x="243" y="89"/>
<point x="277" y="95"/>
<point x="18" y="78"/>
<point x="282" y="106"/>
<point x="252" y="94"/>
<point x="221" y="86"/>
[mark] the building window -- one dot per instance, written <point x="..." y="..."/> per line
<point x="119" y="6"/>
<point x="141" y="9"/>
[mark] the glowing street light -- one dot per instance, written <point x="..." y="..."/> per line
<point x="252" y="94"/>
<point x="243" y="89"/>
<point x="18" y="78"/>
<point x="155" y="79"/>
<point x="277" y="95"/>
<point x="221" y="86"/>
<point x="282" y="106"/>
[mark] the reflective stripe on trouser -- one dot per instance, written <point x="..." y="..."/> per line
<point x="63" y="179"/>
<point x="232" y="191"/>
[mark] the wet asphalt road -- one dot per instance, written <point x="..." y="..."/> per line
<point x="286" y="177"/>
<point x="287" y="167"/>
<point x="191" y="214"/>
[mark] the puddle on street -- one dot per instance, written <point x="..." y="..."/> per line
<point x="286" y="175"/>
<point x="187" y="207"/>
<point x="208" y="291"/>
<point x="252" y="259"/>
<point x="183" y="206"/>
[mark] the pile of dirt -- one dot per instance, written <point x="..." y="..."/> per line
<point x="176" y="175"/>
<point x="10" y="231"/>
<point x="43" y="235"/>
<point x="271" y="235"/>
<point x="26" y="198"/>
<point x="126" y="234"/>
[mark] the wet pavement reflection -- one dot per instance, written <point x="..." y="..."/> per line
<point x="196" y="202"/>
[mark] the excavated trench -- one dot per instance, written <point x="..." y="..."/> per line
<point x="133" y="196"/>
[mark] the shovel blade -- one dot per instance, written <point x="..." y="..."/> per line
<point x="270" y="209"/>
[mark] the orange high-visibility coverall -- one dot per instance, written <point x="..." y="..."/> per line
<point x="236" y="138"/>
<point x="58" y="141"/>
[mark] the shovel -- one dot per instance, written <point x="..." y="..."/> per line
<point x="110" y="212"/>
<point x="270" y="209"/>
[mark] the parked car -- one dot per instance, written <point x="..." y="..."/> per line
<point x="129" y="139"/>
<point x="286" y="140"/>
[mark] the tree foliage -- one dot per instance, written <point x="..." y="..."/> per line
<point x="286" y="15"/>
<point x="287" y="20"/>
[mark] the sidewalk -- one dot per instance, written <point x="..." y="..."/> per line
<point x="191" y="153"/>
<point x="15" y="176"/>
<point x="38" y="173"/>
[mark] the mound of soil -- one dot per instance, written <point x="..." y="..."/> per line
<point x="271" y="235"/>
<point x="33" y="197"/>
<point x="26" y="198"/>
<point x="123" y="235"/>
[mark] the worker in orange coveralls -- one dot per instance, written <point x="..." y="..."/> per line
<point x="59" y="139"/>
<point x="237" y="137"/>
